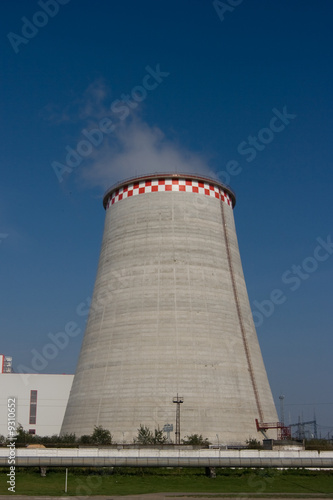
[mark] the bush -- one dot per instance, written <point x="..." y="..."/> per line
<point x="85" y="439"/>
<point x="318" y="444"/>
<point x="24" y="438"/>
<point x="101" y="436"/>
<point x="145" y="436"/>
<point x="196" y="439"/>
<point x="253" y="444"/>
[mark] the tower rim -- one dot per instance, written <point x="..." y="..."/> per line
<point x="169" y="175"/>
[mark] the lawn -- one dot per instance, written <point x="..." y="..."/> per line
<point x="138" y="481"/>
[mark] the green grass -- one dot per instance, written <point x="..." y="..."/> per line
<point x="139" y="481"/>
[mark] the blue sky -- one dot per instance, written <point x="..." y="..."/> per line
<point x="176" y="85"/>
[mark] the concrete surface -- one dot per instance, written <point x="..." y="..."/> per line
<point x="170" y="314"/>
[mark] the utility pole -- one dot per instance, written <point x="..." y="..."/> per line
<point x="178" y="400"/>
<point x="281" y="398"/>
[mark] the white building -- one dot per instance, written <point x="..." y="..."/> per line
<point x="39" y="400"/>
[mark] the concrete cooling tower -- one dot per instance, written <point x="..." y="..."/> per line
<point x="170" y="315"/>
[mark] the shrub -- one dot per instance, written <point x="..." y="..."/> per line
<point x="145" y="436"/>
<point x="253" y="444"/>
<point x="101" y="436"/>
<point x="196" y="439"/>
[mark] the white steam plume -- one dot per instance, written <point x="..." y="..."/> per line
<point x="136" y="149"/>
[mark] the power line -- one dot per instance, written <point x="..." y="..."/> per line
<point x="307" y="404"/>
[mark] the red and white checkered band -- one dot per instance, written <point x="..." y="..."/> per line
<point x="161" y="185"/>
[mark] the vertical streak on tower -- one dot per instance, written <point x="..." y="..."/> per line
<point x="239" y="314"/>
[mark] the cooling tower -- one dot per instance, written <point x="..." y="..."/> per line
<point x="170" y="315"/>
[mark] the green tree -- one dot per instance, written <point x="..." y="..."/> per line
<point x="158" y="437"/>
<point x="196" y="439"/>
<point x="101" y="435"/>
<point x="22" y="436"/>
<point x="85" y="439"/>
<point x="67" y="438"/>
<point x="145" y="436"/>
<point x="253" y="444"/>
